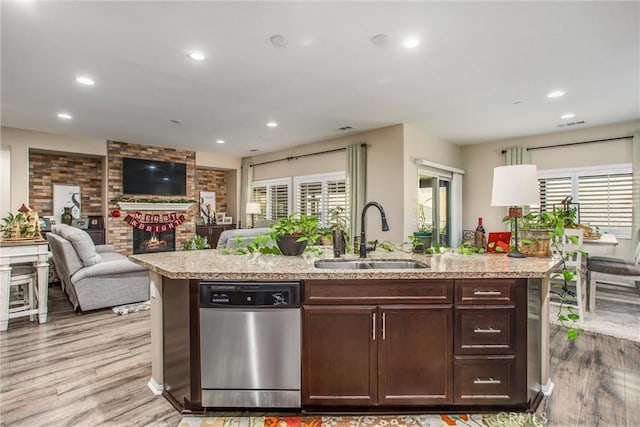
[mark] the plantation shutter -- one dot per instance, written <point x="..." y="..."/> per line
<point x="279" y="196"/>
<point x="605" y="200"/>
<point x="336" y="195"/>
<point x="259" y="195"/>
<point x="310" y="198"/>
<point x="553" y="191"/>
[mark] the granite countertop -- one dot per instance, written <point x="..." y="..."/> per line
<point x="211" y="264"/>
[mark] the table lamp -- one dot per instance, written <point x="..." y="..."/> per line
<point x="252" y="209"/>
<point x="515" y="186"/>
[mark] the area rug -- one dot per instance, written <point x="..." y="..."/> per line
<point x="132" y="308"/>
<point x="503" y="419"/>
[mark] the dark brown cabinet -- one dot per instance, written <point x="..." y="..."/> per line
<point x="339" y="365"/>
<point x="377" y="354"/>
<point x="212" y="232"/>
<point x="490" y="341"/>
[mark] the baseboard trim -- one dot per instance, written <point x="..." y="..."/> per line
<point x="156" y="388"/>
<point x="547" y="389"/>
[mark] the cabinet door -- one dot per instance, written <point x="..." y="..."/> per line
<point x="415" y="355"/>
<point x="339" y="355"/>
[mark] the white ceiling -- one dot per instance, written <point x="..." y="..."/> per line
<point x="461" y="84"/>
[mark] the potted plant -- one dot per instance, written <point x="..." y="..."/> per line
<point x="338" y="225"/>
<point x="423" y="237"/>
<point x="196" y="243"/>
<point x="538" y="228"/>
<point x="293" y="233"/>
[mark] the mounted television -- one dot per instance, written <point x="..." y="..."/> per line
<point x="153" y="177"/>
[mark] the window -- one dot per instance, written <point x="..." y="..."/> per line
<point x="317" y="195"/>
<point x="273" y="196"/>
<point x="604" y="195"/>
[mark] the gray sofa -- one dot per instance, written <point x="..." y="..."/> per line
<point x="95" y="276"/>
<point x="240" y="237"/>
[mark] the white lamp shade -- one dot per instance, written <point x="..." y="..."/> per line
<point x="253" y="208"/>
<point x="515" y="185"/>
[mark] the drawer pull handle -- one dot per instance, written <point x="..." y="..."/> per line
<point x="373" y="326"/>
<point x="486" y="381"/>
<point x="490" y="330"/>
<point x="384" y="326"/>
<point x="487" y="293"/>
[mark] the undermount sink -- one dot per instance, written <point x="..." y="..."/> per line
<point x="368" y="264"/>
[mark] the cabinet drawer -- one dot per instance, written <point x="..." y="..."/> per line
<point x="483" y="292"/>
<point x="484" y="380"/>
<point x="485" y="331"/>
<point x="378" y="291"/>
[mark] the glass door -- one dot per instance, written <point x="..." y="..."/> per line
<point x="434" y="192"/>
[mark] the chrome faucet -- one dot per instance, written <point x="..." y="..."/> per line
<point x="363" y="239"/>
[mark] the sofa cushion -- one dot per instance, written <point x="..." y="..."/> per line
<point x="82" y="243"/>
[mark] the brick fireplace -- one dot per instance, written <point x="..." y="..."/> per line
<point x="120" y="232"/>
<point x="155" y="238"/>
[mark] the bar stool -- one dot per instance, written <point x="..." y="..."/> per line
<point x="23" y="292"/>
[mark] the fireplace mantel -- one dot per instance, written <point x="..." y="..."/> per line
<point x="140" y="206"/>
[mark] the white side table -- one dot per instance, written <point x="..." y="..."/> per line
<point x="34" y="251"/>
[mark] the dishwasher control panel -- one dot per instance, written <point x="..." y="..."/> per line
<point x="249" y="294"/>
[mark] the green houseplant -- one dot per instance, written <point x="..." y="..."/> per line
<point x="422" y="239"/>
<point x="196" y="243"/>
<point x="293" y="233"/>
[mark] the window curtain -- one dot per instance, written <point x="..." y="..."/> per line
<point x="635" y="219"/>
<point x="517" y="156"/>
<point x="246" y="183"/>
<point x="356" y="183"/>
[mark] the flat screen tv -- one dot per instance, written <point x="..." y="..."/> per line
<point x="153" y="177"/>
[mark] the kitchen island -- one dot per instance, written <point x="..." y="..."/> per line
<point x="469" y="332"/>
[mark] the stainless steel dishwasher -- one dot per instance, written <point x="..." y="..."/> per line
<point x="250" y="344"/>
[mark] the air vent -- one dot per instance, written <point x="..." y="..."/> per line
<point x="580" y="122"/>
<point x="343" y="128"/>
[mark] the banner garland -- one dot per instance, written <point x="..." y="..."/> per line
<point x="154" y="223"/>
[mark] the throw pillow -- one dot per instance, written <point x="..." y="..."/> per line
<point x="82" y="243"/>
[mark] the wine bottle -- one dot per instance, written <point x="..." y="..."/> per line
<point x="480" y="240"/>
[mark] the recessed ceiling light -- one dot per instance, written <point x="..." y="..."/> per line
<point x="411" y="42"/>
<point x="219" y="141"/>
<point x="253" y="150"/>
<point x="278" y="40"/>
<point x="518" y="102"/>
<point x="175" y="121"/>
<point x="65" y="116"/>
<point x="567" y="116"/>
<point x="197" y="56"/>
<point x="555" y="94"/>
<point x="85" y="80"/>
<point x="272" y="124"/>
<point x="379" y="39"/>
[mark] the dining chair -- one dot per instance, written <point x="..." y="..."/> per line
<point x="620" y="274"/>
<point x="570" y="248"/>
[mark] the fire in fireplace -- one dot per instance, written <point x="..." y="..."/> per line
<point x="154" y="241"/>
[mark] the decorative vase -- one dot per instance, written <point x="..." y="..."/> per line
<point x="289" y="246"/>
<point x="66" y="216"/>
<point x="339" y="245"/>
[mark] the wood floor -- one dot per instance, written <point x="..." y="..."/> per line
<point x="83" y="370"/>
<point x="92" y="370"/>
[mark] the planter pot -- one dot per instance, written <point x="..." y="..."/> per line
<point x="424" y="243"/>
<point x="540" y="245"/>
<point x="289" y="246"/>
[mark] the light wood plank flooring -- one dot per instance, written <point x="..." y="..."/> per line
<point x="79" y="370"/>
<point x="92" y="369"/>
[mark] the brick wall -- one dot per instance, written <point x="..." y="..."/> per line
<point x="213" y="180"/>
<point x="119" y="232"/>
<point x="47" y="169"/>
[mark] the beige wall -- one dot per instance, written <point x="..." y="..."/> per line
<point x="231" y="165"/>
<point x="418" y="144"/>
<point x="479" y="161"/>
<point x="384" y="171"/>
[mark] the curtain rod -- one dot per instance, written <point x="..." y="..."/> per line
<point x="574" y="143"/>
<point x="301" y="155"/>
